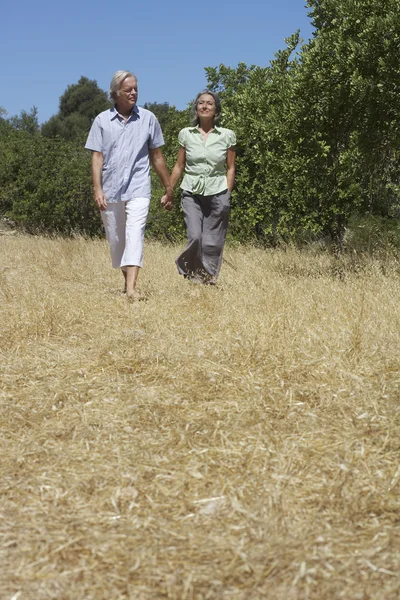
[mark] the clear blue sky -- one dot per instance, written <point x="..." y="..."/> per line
<point x="47" y="45"/>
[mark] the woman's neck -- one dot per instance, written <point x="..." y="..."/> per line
<point x="206" y="125"/>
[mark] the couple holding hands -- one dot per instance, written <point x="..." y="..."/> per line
<point x="124" y="140"/>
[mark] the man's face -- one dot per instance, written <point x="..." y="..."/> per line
<point x="128" y="94"/>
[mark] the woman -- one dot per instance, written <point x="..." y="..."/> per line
<point x="207" y="156"/>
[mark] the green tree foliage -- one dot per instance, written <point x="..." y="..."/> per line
<point x="318" y="129"/>
<point x="45" y="184"/>
<point x="26" y="121"/>
<point x="161" y="110"/>
<point x="4" y="124"/>
<point x="256" y="102"/>
<point x="318" y="134"/>
<point x="349" y="82"/>
<point x="79" y="105"/>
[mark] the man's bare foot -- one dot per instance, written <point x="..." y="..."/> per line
<point x="135" y="296"/>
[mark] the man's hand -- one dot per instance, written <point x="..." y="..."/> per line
<point x="158" y="162"/>
<point x="100" y="199"/>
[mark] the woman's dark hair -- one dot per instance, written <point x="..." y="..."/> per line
<point x="217" y="101"/>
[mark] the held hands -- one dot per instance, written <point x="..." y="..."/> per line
<point x="167" y="200"/>
<point x="100" y="199"/>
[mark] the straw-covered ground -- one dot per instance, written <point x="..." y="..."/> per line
<point x="240" y="442"/>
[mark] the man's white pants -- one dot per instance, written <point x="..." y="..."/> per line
<point x="125" y="223"/>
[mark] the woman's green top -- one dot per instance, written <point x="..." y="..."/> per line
<point x="205" y="169"/>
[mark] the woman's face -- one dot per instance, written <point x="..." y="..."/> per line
<point x="206" y="106"/>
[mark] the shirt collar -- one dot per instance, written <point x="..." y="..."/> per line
<point x="196" y="128"/>
<point x="114" y="113"/>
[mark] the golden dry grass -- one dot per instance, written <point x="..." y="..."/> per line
<point x="238" y="442"/>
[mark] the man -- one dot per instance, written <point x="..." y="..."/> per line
<point x="124" y="139"/>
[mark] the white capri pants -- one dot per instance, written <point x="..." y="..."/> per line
<point x="124" y="223"/>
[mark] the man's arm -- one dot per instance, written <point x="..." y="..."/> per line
<point x="158" y="162"/>
<point x="97" y="168"/>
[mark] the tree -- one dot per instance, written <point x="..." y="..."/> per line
<point x="45" y="185"/>
<point x="161" y="110"/>
<point x="318" y="129"/>
<point x="4" y="124"/>
<point x="26" y="121"/>
<point x="78" y="107"/>
<point x="348" y="83"/>
<point x="256" y="103"/>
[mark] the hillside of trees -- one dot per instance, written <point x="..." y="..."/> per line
<point x="318" y="134"/>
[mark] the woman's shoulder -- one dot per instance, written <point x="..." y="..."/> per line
<point x="225" y="131"/>
<point x="185" y="135"/>
<point x="185" y="130"/>
<point x="228" y="136"/>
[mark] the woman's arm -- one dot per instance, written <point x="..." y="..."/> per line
<point x="175" y="175"/>
<point x="179" y="166"/>
<point x="158" y="162"/>
<point x="230" y="164"/>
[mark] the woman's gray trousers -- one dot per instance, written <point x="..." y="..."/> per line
<point x="206" y="219"/>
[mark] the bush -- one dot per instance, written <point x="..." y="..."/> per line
<point x="46" y="186"/>
<point x="373" y="235"/>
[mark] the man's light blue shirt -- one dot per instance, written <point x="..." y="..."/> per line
<point x="125" y="147"/>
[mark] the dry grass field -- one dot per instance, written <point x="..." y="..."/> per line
<point x="240" y="442"/>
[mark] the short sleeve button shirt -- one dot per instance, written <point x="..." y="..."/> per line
<point x="125" y="148"/>
<point x="205" y="169"/>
